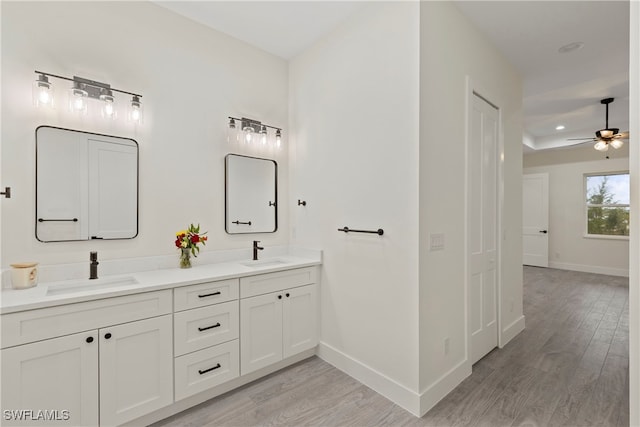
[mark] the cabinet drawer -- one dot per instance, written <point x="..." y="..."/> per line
<point x="206" y="326"/>
<point x="34" y="325"/>
<point x="203" y="294"/>
<point x="273" y="282"/>
<point x="199" y="371"/>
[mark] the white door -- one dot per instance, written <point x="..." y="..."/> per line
<point x="483" y="227"/>
<point x="56" y="374"/>
<point x="535" y="219"/>
<point x="113" y="190"/>
<point x="260" y="331"/>
<point x="136" y="369"/>
<point x="299" y="320"/>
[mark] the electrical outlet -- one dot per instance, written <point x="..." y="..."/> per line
<point x="446" y="345"/>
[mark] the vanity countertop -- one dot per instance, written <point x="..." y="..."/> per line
<point x="73" y="291"/>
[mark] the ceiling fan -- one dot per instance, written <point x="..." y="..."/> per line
<point x="605" y="137"/>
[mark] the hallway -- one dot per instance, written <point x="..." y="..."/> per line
<point x="570" y="367"/>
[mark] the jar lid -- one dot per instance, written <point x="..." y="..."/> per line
<point x="24" y="264"/>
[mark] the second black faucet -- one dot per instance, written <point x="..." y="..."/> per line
<point x="256" y="248"/>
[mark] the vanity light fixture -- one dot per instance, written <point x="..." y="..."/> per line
<point x="81" y="91"/>
<point x="249" y="127"/>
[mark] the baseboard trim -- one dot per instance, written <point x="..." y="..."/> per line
<point x="443" y="386"/>
<point x="510" y="332"/>
<point x="590" y="269"/>
<point x="373" y="379"/>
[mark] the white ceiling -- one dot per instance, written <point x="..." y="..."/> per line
<point x="558" y="88"/>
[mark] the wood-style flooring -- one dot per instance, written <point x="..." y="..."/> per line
<point x="569" y="367"/>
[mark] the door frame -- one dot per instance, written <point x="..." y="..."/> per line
<point x="475" y="89"/>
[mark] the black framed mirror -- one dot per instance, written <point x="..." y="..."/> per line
<point x="251" y="194"/>
<point x="86" y="186"/>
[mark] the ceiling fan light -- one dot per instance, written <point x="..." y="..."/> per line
<point x="617" y="143"/>
<point x="601" y="146"/>
<point x="606" y="133"/>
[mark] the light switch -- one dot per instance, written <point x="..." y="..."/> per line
<point x="436" y="241"/>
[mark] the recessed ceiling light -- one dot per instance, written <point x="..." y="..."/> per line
<point x="560" y="127"/>
<point x="571" y="47"/>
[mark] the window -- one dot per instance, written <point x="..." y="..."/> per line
<point x="607" y="202"/>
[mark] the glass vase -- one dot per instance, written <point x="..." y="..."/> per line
<point x="185" y="258"/>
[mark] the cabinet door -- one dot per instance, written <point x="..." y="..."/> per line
<point x="136" y="369"/>
<point x="260" y="331"/>
<point x="58" y="375"/>
<point x="300" y="320"/>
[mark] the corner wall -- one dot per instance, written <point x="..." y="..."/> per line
<point x="191" y="78"/>
<point x="568" y="248"/>
<point x="451" y="50"/>
<point x="354" y="114"/>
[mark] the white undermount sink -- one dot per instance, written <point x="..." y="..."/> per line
<point x="269" y="262"/>
<point x="90" y="285"/>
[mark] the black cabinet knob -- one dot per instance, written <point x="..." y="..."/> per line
<point x="287" y="294"/>
<point x="107" y="335"/>
<point x="279" y="296"/>
<point x="89" y="339"/>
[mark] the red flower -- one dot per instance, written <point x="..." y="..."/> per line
<point x="203" y="238"/>
<point x="195" y="238"/>
<point x="178" y="243"/>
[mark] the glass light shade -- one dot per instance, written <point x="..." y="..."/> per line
<point x="232" y="134"/>
<point x="78" y="100"/>
<point x="248" y="134"/>
<point x="135" y="110"/>
<point x="263" y="135"/>
<point x="617" y="143"/>
<point x="108" y="109"/>
<point x="606" y="133"/>
<point x="42" y="92"/>
<point x="601" y="146"/>
<point x="278" y="138"/>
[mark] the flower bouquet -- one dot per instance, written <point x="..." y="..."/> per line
<point x="187" y="241"/>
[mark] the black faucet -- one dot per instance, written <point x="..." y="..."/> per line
<point x="93" y="267"/>
<point x="256" y="248"/>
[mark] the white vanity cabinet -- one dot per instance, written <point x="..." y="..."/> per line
<point x="118" y="370"/>
<point x="206" y="330"/>
<point x="278" y="317"/>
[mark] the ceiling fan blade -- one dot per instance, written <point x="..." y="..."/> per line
<point x="622" y="135"/>
<point x="581" y="139"/>
<point x="577" y="143"/>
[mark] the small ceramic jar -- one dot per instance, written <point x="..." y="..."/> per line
<point x="24" y="275"/>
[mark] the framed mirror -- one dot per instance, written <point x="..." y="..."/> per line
<point x="251" y="195"/>
<point x="86" y="186"/>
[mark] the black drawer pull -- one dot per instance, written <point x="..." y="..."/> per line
<point x="89" y="340"/>
<point x="209" y="327"/>
<point x="209" y="295"/>
<point x="208" y="370"/>
<point x="107" y="335"/>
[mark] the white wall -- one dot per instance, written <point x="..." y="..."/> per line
<point x="354" y="117"/>
<point x="191" y="79"/>
<point x="568" y="248"/>
<point x="450" y="50"/>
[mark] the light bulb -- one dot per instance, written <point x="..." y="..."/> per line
<point x="278" y="138"/>
<point x="248" y="133"/>
<point x="135" y="113"/>
<point x="232" y="132"/>
<point x="108" y="110"/>
<point x="42" y="92"/>
<point x="617" y="143"/>
<point x="606" y="133"/>
<point x="78" y="99"/>
<point x="263" y="135"/>
<point x="601" y="146"/>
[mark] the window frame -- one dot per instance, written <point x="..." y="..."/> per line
<point x="586" y="206"/>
